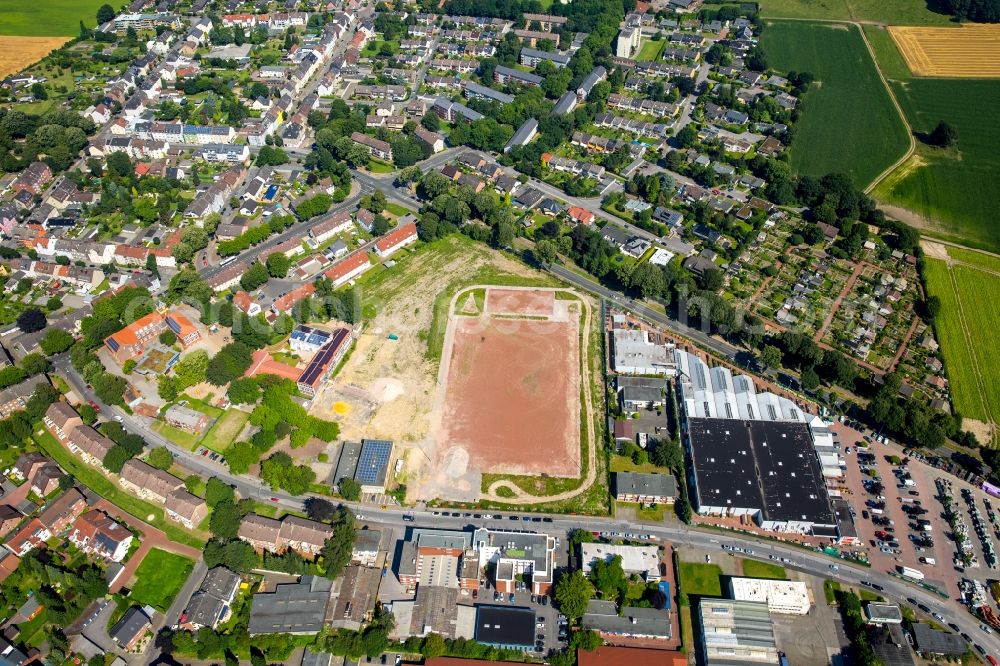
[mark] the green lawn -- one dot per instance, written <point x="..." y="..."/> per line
<point x="968" y="357"/>
<point x="847" y="121"/>
<point x="179" y="437"/>
<point x="378" y="166"/>
<point x="225" y="430"/>
<point x="650" y="50"/>
<point x="755" y="569"/>
<point x="396" y="209"/>
<point x="624" y="464"/>
<point x="953" y="190"/>
<point x="899" y="12"/>
<point x="47" y="18"/>
<point x="159" y="577"/>
<point x="700" y="579"/>
<point x="100" y="484"/>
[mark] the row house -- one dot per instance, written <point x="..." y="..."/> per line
<point x="454" y="65"/>
<point x="642" y="106"/>
<point x="396" y="239"/>
<point x="134" y="147"/>
<point x="187" y="509"/>
<point x="61" y="420"/>
<point x="33" y="179"/>
<point x="423" y="44"/>
<point x="337" y="223"/>
<point x="223" y="153"/>
<point x="390" y="92"/>
<point x="665" y="69"/>
<point x="214" y="199"/>
<point x="575" y="167"/>
<point x="53" y="520"/>
<point x="452" y="111"/>
<point x="443" y="82"/>
<point x="77" y="250"/>
<point x="96" y="533"/>
<point x="245" y="21"/>
<point x="637" y="127"/>
<point x="394" y="123"/>
<point x="43" y="474"/>
<point x="89" y="444"/>
<point x="348" y="268"/>
<point x="147" y="482"/>
<point x="376" y="148"/>
<point x="598" y="144"/>
<point x="305" y="537"/>
<point x="227" y="277"/>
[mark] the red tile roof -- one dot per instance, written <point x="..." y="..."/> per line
<point x="347" y="265"/>
<point x="396" y="237"/>
<point x="288" y="301"/>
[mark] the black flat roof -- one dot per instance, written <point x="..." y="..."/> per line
<point x="317" y="366"/>
<point x="501" y="625"/>
<point x="766" y="465"/>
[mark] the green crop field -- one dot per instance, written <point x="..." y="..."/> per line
<point x="953" y="192"/>
<point x="159" y="577"/>
<point x="848" y="123"/>
<point x="896" y="12"/>
<point x="887" y="56"/>
<point x="965" y="330"/>
<point x="47" y="18"/>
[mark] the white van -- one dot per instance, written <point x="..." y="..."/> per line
<point x="928" y="560"/>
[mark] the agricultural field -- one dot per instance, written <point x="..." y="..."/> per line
<point x="159" y="577"/>
<point x="952" y="192"/>
<point x="848" y="99"/>
<point x="968" y="51"/>
<point x="47" y="18"/>
<point x="906" y="12"/>
<point x="966" y="332"/>
<point x="17" y="52"/>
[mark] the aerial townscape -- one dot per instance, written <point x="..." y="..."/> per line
<point x="463" y="332"/>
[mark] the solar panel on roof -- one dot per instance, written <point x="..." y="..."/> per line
<point x="374" y="459"/>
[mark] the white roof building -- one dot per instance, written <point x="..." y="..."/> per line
<point x="787" y="597"/>
<point x="642" y="560"/>
<point x="635" y="354"/>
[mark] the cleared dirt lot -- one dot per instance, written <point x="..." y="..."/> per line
<point x="968" y="51"/>
<point x="387" y="388"/>
<point x="512" y="393"/>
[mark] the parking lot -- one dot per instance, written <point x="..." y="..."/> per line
<point x="896" y="531"/>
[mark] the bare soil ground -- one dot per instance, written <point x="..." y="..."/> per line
<point x="519" y="301"/>
<point x="512" y="396"/>
<point x="386" y="388"/>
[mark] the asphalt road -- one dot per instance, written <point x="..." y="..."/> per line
<point x="808" y="562"/>
<point x="696" y="335"/>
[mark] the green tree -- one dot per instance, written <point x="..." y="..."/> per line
<point x="350" y="489"/>
<point x="609" y="579"/>
<point x="53" y="304"/>
<point x="104" y="14"/>
<point x="109" y="388"/>
<point x="31" y="320"/>
<point x="336" y="553"/>
<point x="168" y="338"/>
<point x="116" y="458"/>
<point x="254" y="277"/>
<point x="944" y="135"/>
<point x="546" y="252"/>
<point x="191" y="369"/>
<point x="160" y="458"/>
<point x="668" y="454"/>
<point x="244" y="391"/>
<point x="770" y="357"/>
<point x="240" y="456"/>
<point x="573" y="593"/>
<point x="225" y="520"/>
<point x="278" y="265"/>
<point x="166" y="388"/>
<point x="56" y="341"/>
<point x="218" y="491"/>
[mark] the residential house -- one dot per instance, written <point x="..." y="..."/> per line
<point x="97" y="533"/>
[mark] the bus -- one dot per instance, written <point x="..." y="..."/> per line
<point x="229" y="260"/>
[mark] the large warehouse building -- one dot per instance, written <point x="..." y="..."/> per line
<point x="752" y="454"/>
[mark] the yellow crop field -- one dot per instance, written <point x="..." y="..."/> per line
<point x="17" y="52"/>
<point x="967" y="51"/>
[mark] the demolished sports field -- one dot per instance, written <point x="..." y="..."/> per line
<point x="512" y="385"/>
